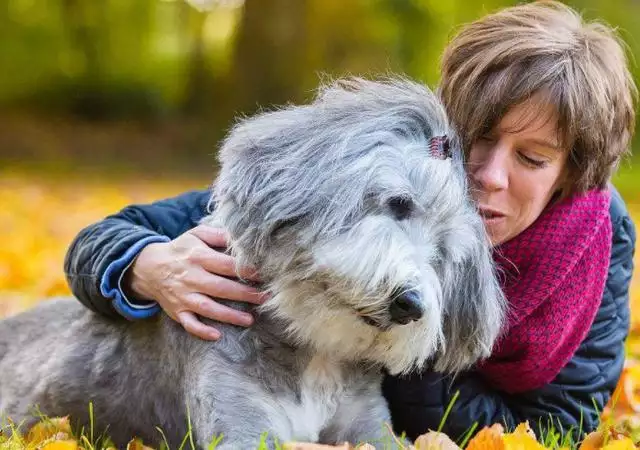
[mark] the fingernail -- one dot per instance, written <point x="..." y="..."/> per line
<point x="264" y="296"/>
<point x="247" y="319"/>
<point x="214" y="335"/>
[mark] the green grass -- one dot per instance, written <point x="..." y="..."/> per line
<point x="554" y="438"/>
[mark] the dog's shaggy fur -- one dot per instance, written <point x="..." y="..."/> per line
<point x="375" y="258"/>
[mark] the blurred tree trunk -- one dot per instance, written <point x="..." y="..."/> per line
<point x="85" y="24"/>
<point x="86" y="27"/>
<point x="269" y="59"/>
<point x="415" y="25"/>
<point x="199" y="78"/>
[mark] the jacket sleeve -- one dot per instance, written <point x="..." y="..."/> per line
<point x="571" y="402"/>
<point x="101" y="253"/>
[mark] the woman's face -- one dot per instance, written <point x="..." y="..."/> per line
<point x="515" y="170"/>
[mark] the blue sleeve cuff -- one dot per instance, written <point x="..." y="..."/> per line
<point x="117" y="270"/>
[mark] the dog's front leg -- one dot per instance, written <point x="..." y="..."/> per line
<point x="237" y="423"/>
<point x="238" y="442"/>
<point x="238" y="435"/>
<point x="361" y="419"/>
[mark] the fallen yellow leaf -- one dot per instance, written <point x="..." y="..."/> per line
<point x="521" y="441"/>
<point x="524" y="428"/>
<point x="57" y="427"/>
<point x="61" y="445"/>
<point x="620" y="444"/>
<point x="522" y="438"/>
<point x="608" y="438"/>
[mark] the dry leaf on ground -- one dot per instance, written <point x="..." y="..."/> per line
<point x="522" y="438"/>
<point x="57" y="428"/>
<point x="68" y="444"/>
<point x="489" y="438"/>
<point x="607" y="438"/>
<point x="434" y="440"/>
<point x="137" y="444"/>
<point x="310" y="446"/>
<point x="620" y="444"/>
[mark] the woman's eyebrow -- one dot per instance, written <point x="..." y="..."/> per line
<point x="544" y="143"/>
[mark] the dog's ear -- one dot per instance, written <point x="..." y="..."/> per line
<point x="258" y="224"/>
<point x="261" y="192"/>
<point x="474" y="310"/>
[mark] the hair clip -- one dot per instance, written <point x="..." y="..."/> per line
<point x="439" y="147"/>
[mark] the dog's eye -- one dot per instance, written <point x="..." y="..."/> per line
<point x="282" y="224"/>
<point x="401" y="207"/>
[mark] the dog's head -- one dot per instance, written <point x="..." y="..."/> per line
<point x="370" y="245"/>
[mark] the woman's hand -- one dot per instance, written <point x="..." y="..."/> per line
<point x="184" y="274"/>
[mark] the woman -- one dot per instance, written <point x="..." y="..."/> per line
<point x="545" y="108"/>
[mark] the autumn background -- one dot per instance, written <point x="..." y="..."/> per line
<point x="111" y="102"/>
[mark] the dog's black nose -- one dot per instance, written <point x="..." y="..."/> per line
<point x="406" y="307"/>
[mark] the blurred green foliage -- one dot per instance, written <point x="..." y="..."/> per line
<point x="164" y="65"/>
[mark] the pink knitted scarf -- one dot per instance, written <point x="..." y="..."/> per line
<point x="553" y="275"/>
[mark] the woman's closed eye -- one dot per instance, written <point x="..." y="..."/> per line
<point x="537" y="163"/>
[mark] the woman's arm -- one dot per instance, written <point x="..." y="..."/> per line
<point x="155" y="256"/>
<point x="574" y="399"/>
<point x="100" y="254"/>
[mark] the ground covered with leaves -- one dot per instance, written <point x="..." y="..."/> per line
<point x="40" y="215"/>
<point x="56" y="434"/>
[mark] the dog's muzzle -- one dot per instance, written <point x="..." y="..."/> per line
<point x="406" y="307"/>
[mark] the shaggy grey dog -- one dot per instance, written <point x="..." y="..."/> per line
<point x="375" y="257"/>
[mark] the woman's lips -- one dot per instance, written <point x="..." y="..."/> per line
<point x="491" y="216"/>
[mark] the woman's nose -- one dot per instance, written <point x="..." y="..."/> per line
<point x="491" y="172"/>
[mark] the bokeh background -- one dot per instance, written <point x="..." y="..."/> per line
<point x="111" y="102"/>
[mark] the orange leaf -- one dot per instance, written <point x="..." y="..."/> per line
<point x="136" y="444"/>
<point x="592" y="441"/>
<point x="489" y="438"/>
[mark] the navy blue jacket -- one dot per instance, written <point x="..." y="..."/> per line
<point x="101" y="253"/>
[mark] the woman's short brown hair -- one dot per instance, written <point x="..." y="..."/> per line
<point x="505" y="58"/>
